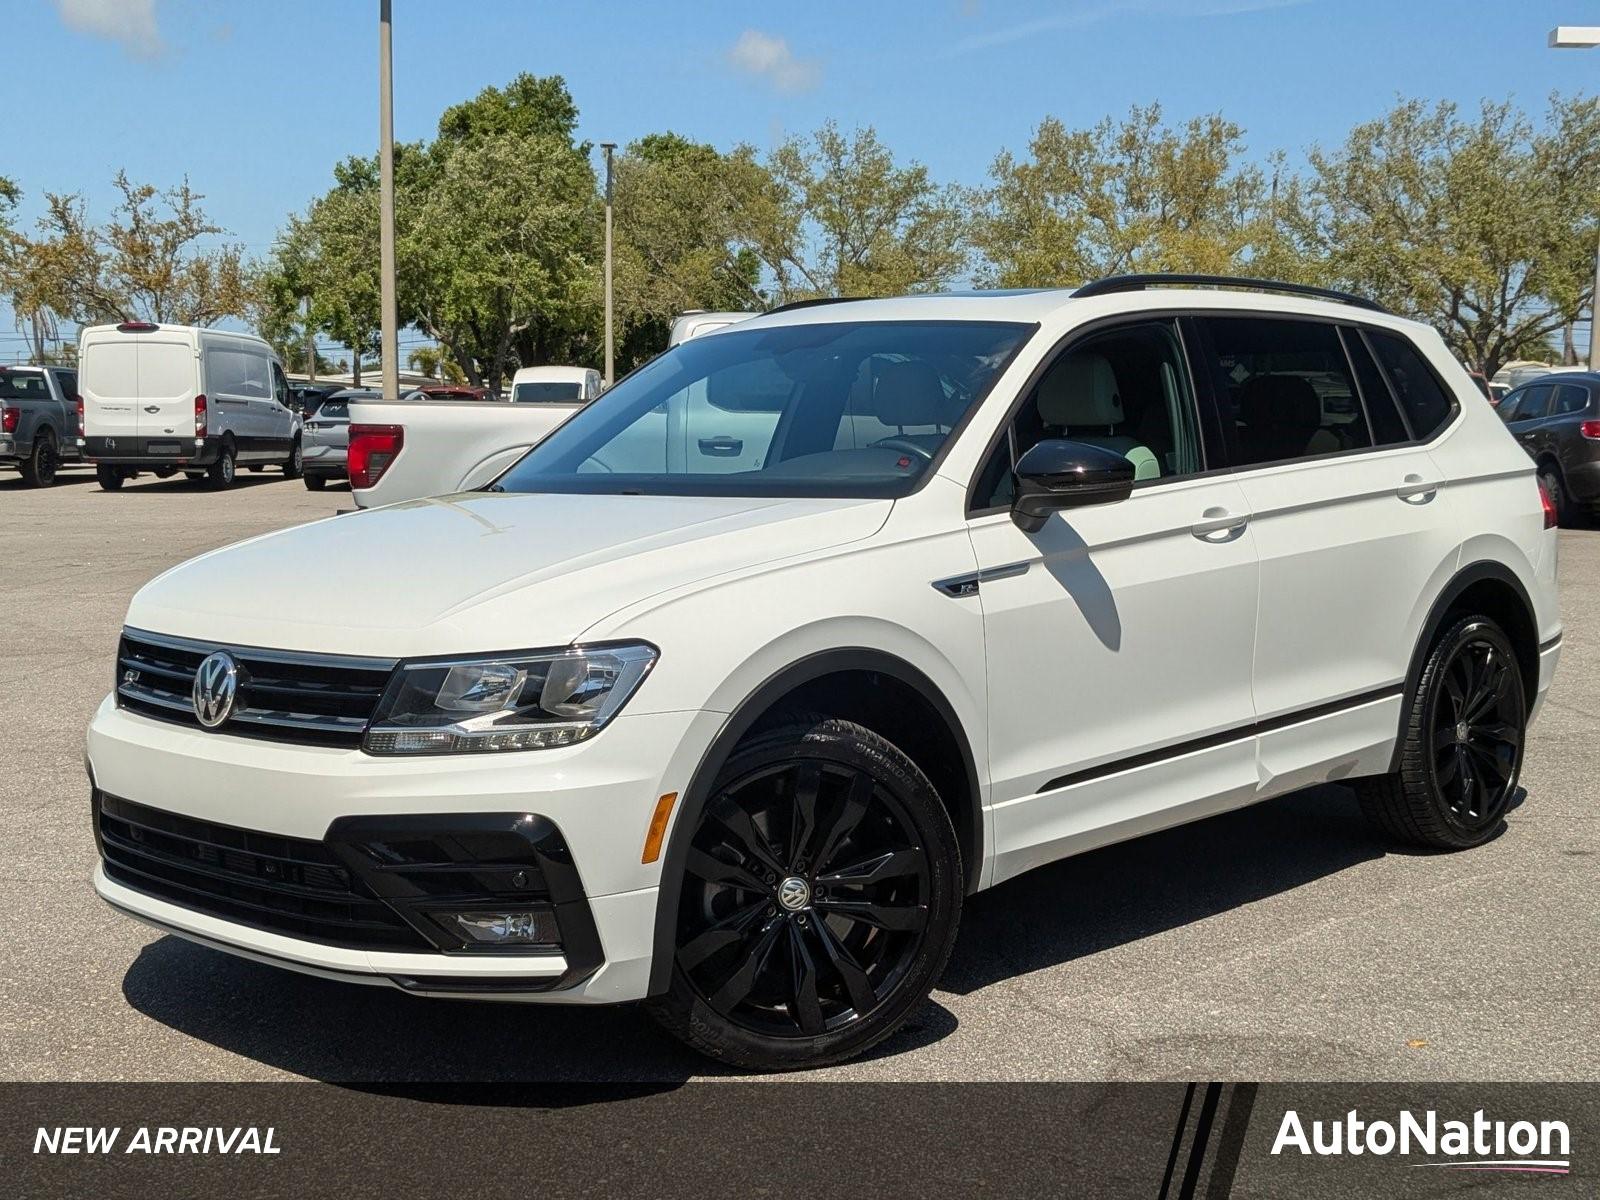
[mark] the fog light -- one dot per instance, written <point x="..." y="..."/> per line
<point x="526" y="927"/>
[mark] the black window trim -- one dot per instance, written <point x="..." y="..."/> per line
<point x="1346" y="334"/>
<point x="1076" y="334"/>
<point x="1450" y="417"/>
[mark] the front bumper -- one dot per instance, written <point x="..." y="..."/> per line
<point x="599" y="794"/>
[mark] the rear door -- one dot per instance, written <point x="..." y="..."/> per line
<point x="1526" y="420"/>
<point x="168" y="382"/>
<point x="109" y="381"/>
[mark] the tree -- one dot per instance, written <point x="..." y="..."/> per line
<point x="1134" y="195"/>
<point x="838" y="217"/>
<point x="1483" y="227"/>
<point x="430" y="361"/>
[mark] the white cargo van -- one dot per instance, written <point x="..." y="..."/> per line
<point x="170" y="398"/>
<point x="555" y="385"/>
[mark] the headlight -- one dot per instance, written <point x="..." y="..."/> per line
<point x="515" y="702"/>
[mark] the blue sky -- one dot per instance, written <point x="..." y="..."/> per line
<point x="256" y="100"/>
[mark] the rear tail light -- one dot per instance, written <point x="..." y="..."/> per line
<point x="78" y="400"/>
<point x="1590" y="430"/>
<point x="372" y="449"/>
<point x="1551" y="517"/>
<point x="200" y="416"/>
<point x="10" y="418"/>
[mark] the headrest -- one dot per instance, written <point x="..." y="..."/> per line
<point x="1280" y="402"/>
<point x="909" y="393"/>
<point x="1080" y="390"/>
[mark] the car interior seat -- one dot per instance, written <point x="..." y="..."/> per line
<point x="1078" y="399"/>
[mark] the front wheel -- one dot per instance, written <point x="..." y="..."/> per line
<point x="820" y="898"/>
<point x="1466" y="725"/>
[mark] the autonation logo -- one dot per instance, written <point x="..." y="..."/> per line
<point x="1480" y="1144"/>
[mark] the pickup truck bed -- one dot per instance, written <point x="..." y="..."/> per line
<point x="449" y="445"/>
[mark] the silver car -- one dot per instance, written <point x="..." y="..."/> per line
<point x="325" y="444"/>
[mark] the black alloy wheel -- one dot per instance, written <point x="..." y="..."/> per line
<point x="1477" y="731"/>
<point x="1464" y="734"/>
<point x="39" y="469"/>
<point x="820" y="897"/>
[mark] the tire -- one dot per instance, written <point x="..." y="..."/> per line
<point x="39" y="468"/>
<point x="1550" y="479"/>
<point x="111" y="478"/>
<point x="194" y="476"/>
<point x="778" y="964"/>
<point x="315" y="483"/>
<point x="164" y="472"/>
<point x="221" y="473"/>
<point x="294" y="464"/>
<point x="1462" y="748"/>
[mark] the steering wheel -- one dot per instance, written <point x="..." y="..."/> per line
<point x="906" y="445"/>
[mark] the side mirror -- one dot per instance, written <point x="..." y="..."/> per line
<point x="1056" y="474"/>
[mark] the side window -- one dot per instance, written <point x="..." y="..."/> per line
<point x="1126" y="389"/>
<point x="69" y="384"/>
<point x="225" y="372"/>
<point x="1388" y="425"/>
<point x="280" y="386"/>
<point x="1285" y="389"/>
<point x="1570" y="398"/>
<point x="1535" y="402"/>
<point x="1509" y="406"/>
<point x="1427" y="404"/>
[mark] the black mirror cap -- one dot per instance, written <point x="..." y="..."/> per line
<point x="1057" y="473"/>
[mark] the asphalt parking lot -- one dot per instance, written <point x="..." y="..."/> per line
<point x="1279" y="943"/>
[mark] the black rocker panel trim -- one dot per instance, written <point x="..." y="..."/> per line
<point x="815" y="666"/>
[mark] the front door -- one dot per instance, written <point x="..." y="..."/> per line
<point x="1118" y="637"/>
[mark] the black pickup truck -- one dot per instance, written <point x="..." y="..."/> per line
<point x="38" y="421"/>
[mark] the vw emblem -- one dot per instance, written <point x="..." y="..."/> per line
<point x="794" y="893"/>
<point x="216" y="687"/>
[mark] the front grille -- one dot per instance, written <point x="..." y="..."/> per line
<point x="285" y="885"/>
<point x="284" y="695"/>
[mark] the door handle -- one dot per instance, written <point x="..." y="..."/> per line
<point x="152" y="408"/>
<point x="1219" y="525"/>
<point x="722" y="446"/>
<point x="1414" y="489"/>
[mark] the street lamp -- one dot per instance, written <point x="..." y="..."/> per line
<point x="1584" y="37"/>
<point x="608" y="147"/>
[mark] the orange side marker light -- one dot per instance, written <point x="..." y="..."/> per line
<point x="658" y="828"/>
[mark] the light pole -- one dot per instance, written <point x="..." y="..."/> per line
<point x="387" y="318"/>
<point x="608" y="147"/>
<point x="1584" y="37"/>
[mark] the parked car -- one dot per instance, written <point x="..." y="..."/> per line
<point x="170" y="398"/>
<point x="449" y="391"/>
<point x="326" y="441"/>
<point x="1017" y="576"/>
<point x="1557" y="420"/>
<point x="306" y="398"/>
<point x="555" y="385"/>
<point x="39" y="410"/>
<point x="409" y="448"/>
<point x="694" y="323"/>
<point x="1497" y="393"/>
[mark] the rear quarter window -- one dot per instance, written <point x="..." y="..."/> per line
<point x="1426" y="403"/>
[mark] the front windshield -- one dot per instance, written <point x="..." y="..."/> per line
<point x="549" y="392"/>
<point x="856" y="408"/>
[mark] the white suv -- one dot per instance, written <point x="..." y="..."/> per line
<point x="1013" y="576"/>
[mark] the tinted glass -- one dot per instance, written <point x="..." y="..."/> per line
<point x="1509" y="406"/>
<point x="334" y="409"/>
<point x="1125" y="390"/>
<point x="69" y="383"/>
<point x="1426" y="403"/>
<point x="547" y="393"/>
<point x="1535" y="402"/>
<point x="1388" y="426"/>
<point x="678" y="425"/>
<point x="1286" y="389"/>
<point x="1570" y="398"/>
<point x="20" y="386"/>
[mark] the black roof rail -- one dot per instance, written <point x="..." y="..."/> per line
<point x="812" y="303"/>
<point x="1138" y="283"/>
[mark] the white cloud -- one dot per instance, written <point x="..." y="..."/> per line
<point x="1103" y="10"/>
<point x="131" y="23"/>
<point x="768" y="57"/>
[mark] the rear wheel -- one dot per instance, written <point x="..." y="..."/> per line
<point x="820" y="899"/>
<point x="315" y="483"/>
<point x="39" y="468"/>
<point x="293" y="464"/>
<point x="220" y="474"/>
<point x="110" y="476"/>
<point x="164" y="472"/>
<point x="1465" y="730"/>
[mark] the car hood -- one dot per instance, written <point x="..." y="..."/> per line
<point x="480" y="571"/>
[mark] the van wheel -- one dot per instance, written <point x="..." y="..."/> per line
<point x="315" y="483"/>
<point x="291" y="468"/>
<point x="110" y="477"/>
<point x="164" y="472"/>
<point x="39" y="469"/>
<point x="220" y="474"/>
<point x="1465" y="731"/>
<point x="820" y="899"/>
<point x="1550" y="480"/>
